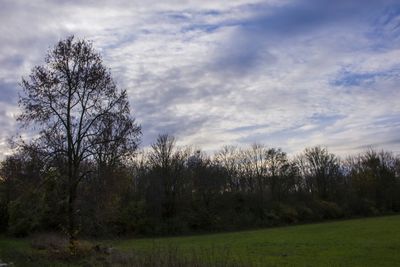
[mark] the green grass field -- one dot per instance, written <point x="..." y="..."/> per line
<point x="359" y="242"/>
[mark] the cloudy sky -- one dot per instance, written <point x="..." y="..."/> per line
<point x="286" y="73"/>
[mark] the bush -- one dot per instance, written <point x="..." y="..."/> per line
<point x="305" y="213"/>
<point x="328" y="210"/>
<point x="364" y="207"/>
<point x="286" y="213"/>
<point x="271" y="218"/>
<point x="23" y="218"/>
<point x="3" y="216"/>
<point x="132" y="219"/>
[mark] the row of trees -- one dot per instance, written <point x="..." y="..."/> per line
<point x="169" y="190"/>
<point x="82" y="172"/>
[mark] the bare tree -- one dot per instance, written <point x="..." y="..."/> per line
<point x="228" y="158"/>
<point x="280" y="173"/>
<point x="168" y="164"/>
<point x="319" y="168"/>
<point x="74" y="102"/>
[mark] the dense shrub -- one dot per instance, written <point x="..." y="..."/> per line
<point x="24" y="216"/>
<point x="364" y="207"/>
<point x="304" y="213"/>
<point x="131" y="218"/>
<point x="286" y="213"/>
<point x="327" y="209"/>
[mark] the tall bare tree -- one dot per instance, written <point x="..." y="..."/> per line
<point x="81" y="114"/>
<point x="168" y="163"/>
<point x="319" y="169"/>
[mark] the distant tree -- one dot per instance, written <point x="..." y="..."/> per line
<point x="228" y="158"/>
<point x="374" y="177"/>
<point x="81" y="114"/>
<point x="24" y="191"/>
<point x="319" y="169"/>
<point x="208" y="184"/>
<point x="281" y="173"/>
<point x="255" y="158"/>
<point x="168" y="165"/>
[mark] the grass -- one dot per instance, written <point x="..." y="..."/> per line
<point x="19" y="252"/>
<point x="359" y="242"/>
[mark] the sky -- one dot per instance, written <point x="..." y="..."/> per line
<point x="285" y="73"/>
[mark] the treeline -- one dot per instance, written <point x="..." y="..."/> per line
<point x="172" y="190"/>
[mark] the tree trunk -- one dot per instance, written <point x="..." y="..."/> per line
<point x="71" y="217"/>
<point x="71" y="230"/>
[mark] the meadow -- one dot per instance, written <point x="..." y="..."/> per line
<point x="358" y="242"/>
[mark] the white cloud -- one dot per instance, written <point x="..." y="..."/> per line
<point x="168" y="55"/>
